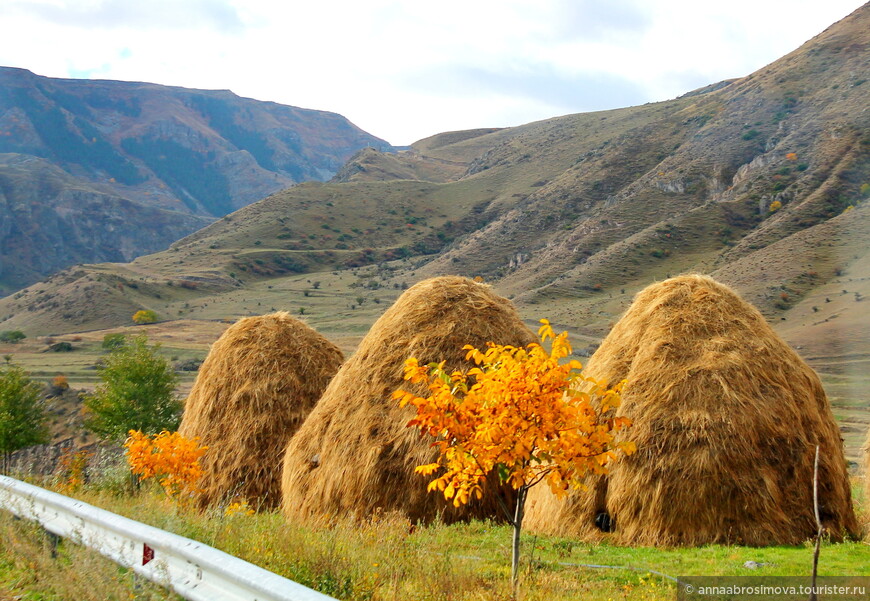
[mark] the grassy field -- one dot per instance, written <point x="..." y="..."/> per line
<point x="386" y="558"/>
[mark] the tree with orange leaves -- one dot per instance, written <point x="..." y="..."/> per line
<point x="520" y="413"/>
<point x="169" y="458"/>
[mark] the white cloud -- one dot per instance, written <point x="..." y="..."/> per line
<point x="405" y="70"/>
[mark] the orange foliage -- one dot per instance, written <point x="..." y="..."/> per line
<point x="170" y="458"/>
<point x="72" y="466"/>
<point x="521" y="413"/>
<point x="791" y="156"/>
<point x="60" y="382"/>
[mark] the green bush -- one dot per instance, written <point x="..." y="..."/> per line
<point x="13" y="336"/>
<point x="61" y="347"/>
<point x="113" y="341"/>
<point x="22" y="411"/>
<point x="137" y="393"/>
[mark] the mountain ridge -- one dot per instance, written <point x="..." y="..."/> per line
<point x="199" y="154"/>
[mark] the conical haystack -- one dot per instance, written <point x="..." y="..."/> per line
<point x="726" y="421"/>
<point x="354" y="454"/>
<point x="259" y="382"/>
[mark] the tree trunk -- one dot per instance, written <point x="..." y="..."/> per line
<point x="518" y="525"/>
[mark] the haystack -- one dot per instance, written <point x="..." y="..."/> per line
<point x="726" y="421"/>
<point x="259" y="382"/>
<point x="354" y="454"/>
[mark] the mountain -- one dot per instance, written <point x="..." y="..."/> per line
<point x="758" y="180"/>
<point x="207" y="152"/>
<point x="50" y="219"/>
<point x="148" y="148"/>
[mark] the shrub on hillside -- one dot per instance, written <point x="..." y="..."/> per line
<point x="13" y="336"/>
<point x="113" y="341"/>
<point x="60" y="347"/>
<point x="144" y="316"/>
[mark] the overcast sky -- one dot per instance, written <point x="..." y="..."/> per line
<point x="404" y="70"/>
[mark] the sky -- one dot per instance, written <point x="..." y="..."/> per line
<point x="405" y="70"/>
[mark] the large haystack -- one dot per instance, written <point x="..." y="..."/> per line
<point x="726" y="421"/>
<point x="259" y="382"/>
<point x="354" y="455"/>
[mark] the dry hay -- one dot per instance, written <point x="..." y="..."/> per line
<point x="354" y="455"/>
<point x="259" y="382"/>
<point x="726" y="420"/>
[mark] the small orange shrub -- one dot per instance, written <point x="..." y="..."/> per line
<point x="60" y="382"/>
<point x="170" y="458"/>
<point x="72" y="468"/>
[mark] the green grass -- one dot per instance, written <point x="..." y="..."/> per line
<point x="386" y="558"/>
<point x="30" y="571"/>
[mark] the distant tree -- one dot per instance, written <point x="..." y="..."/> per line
<point x="61" y="347"/>
<point x="144" y="316"/>
<point x="13" y="336"/>
<point x="59" y="384"/>
<point x="137" y="393"/>
<point x="22" y="412"/>
<point x="113" y="341"/>
<point x="315" y="284"/>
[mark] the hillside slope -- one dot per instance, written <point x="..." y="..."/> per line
<point x="207" y="152"/>
<point x="50" y="219"/>
<point x="722" y="175"/>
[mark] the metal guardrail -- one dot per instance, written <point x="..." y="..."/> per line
<point x="190" y="568"/>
